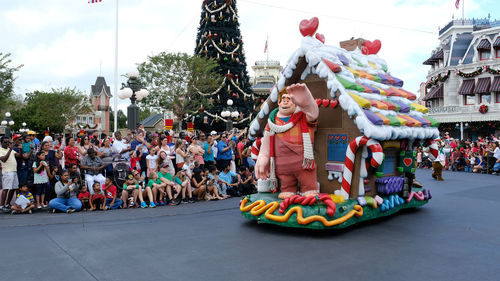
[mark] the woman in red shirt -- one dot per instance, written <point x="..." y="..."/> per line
<point x="70" y="153"/>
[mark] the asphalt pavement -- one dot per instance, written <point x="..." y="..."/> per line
<point x="454" y="237"/>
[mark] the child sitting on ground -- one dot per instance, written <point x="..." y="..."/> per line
<point x="130" y="187"/>
<point x="24" y="202"/>
<point x="110" y="193"/>
<point x="97" y="200"/>
<point x="84" y="197"/>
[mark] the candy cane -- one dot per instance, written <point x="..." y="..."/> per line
<point x="377" y="158"/>
<point x="433" y="149"/>
<point x="256" y="148"/>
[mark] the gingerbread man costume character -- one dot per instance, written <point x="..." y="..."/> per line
<point x="286" y="152"/>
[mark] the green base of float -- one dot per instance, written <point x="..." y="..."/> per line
<point x="314" y="216"/>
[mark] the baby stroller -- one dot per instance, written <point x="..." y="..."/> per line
<point x="120" y="172"/>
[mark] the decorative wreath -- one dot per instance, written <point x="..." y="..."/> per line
<point x="483" y="108"/>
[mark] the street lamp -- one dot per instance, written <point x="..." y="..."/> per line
<point x="24" y="129"/>
<point x="132" y="90"/>
<point x="7" y="123"/>
<point x="230" y="114"/>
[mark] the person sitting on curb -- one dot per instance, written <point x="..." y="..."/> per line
<point x="66" y="191"/>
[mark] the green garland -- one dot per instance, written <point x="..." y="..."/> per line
<point x="434" y="80"/>
<point x="471" y="74"/>
<point x="492" y="71"/>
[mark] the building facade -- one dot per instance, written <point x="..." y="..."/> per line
<point x="97" y="118"/>
<point x="462" y="90"/>
<point x="267" y="73"/>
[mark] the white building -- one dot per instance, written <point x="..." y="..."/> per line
<point x="267" y="73"/>
<point x="465" y="75"/>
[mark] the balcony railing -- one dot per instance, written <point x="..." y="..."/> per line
<point x="453" y="109"/>
<point x="476" y="23"/>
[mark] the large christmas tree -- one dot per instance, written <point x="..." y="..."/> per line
<point x="219" y="38"/>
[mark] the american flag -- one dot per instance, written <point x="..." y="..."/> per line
<point x="457" y="4"/>
<point x="265" y="47"/>
<point x="94" y="1"/>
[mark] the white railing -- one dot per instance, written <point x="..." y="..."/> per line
<point x="453" y="109"/>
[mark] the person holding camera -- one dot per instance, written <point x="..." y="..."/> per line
<point x="10" y="181"/>
<point x="67" y="193"/>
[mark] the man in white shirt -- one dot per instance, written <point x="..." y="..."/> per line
<point x="120" y="146"/>
<point x="10" y="182"/>
<point x="496" y="154"/>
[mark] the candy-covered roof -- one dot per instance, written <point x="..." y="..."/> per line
<point x="371" y="96"/>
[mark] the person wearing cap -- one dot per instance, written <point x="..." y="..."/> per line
<point x="10" y="181"/>
<point x="93" y="165"/>
<point x="172" y="189"/>
<point x="215" y="137"/>
<point x="224" y="153"/>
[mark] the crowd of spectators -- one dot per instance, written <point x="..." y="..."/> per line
<point x="477" y="156"/>
<point x="141" y="169"/>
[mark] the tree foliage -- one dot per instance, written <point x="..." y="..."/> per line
<point x="52" y="109"/>
<point x="173" y="82"/>
<point x="122" y="120"/>
<point x="7" y="79"/>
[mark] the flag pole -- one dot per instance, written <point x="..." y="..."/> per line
<point x="116" y="73"/>
<point x="463" y="14"/>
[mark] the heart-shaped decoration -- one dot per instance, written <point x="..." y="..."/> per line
<point x="333" y="103"/>
<point x="335" y="68"/>
<point x="407" y="161"/>
<point x="344" y="138"/>
<point x="372" y="47"/>
<point x="326" y="102"/>
<point x="330" y="137"/>
<point x="320" y="37"/>
<point x="318" y="102"/>
<point x="309" y="27"/>
<point x="337" y="137"/>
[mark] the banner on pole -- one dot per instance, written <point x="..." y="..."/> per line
<point x="169" y="124"/>
<point x="190" y="126"/>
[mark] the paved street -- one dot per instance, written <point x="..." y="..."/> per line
<point x="454" y="237"/>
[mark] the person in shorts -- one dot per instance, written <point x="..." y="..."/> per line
<point x="10" y="181"/>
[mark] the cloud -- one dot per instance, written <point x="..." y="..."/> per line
<point x="69" y="45"/>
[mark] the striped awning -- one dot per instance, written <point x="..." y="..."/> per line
<point x="497" y="43"/>
<point x="435" y="93"/>
<point x="483" y="86"/>
<point x="435" y="57"/>
<point x="484" y="45"/>
<point x="495" y="87"/>
<point x="467" y="87"/>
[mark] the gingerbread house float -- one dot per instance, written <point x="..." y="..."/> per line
<point x="364" y="146"/>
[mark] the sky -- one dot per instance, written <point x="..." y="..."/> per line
<point x="68" y="43"/>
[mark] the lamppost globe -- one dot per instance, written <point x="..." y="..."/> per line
<point x="7" y="114"/>
<point x="4" y="123"/>
<point x="11" y="123"/>
<point x="229" y="102"/>
<point x="133" y="74"/>
<point x="235" y="114"/>
<point x="24" y="124"/>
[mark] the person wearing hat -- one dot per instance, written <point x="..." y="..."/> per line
<point x="172" y="189"/>
<point x="92" y="165"/>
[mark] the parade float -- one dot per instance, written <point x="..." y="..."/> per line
<point x="358" y="131"/>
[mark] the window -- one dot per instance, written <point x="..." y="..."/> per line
<point x="337" y="146"/>
<point x="498" y="98"/>
<point x="469" y="99"/>
<point x="389" y="161"/>
<point x="485" y="98"/>
<point x="77" y="119"/>
<point x="484" y="54"/>
<point x="497" y="53"/>
<point x="91" y="120"/>
<point x="84" y="119"/>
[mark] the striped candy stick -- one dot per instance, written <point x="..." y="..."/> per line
<point x="377" y="158"/>
<point x="433" y="149"/>
<point x="256" y="148"/>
